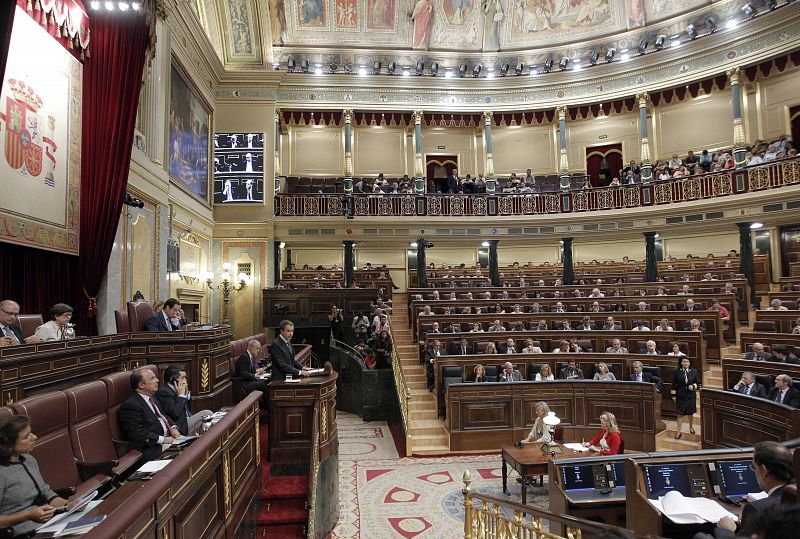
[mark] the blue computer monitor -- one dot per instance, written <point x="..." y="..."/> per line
<point x="619" y="473"/>
<point x="578" y="477"/>
<point x="662" y="478"/>
<point x="736" y="478"/>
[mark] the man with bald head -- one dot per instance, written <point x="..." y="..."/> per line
<point x="10" y="332"/>
<point x="758" y="353"/>
<point x="509" y="373"/>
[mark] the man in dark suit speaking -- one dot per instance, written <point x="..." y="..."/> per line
<point x="140" y="418"/>
<point x="282" y="353"/>
<point x="773" y="467"/>
<point x="453" y="183"/>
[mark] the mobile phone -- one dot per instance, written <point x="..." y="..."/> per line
<point x="62" y="509"/>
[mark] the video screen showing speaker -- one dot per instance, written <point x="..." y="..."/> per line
<point x="584" y="477"/>
<point x="689" y="479"/>
<point x="238" y="168"/>
<point x="736" y="479"/>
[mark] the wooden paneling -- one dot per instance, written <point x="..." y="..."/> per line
<point x="310" y="308"/>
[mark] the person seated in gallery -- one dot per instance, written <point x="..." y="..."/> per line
<point x="10" y="332"/>
<point x="571" y="372"/>
<point x="170" y="318"/>
<point x="26" y="500"/>
<point x="607" y="441"/>
<point x="640" y="375"/>
<point x="175" y="400"/>
<point x="61" y="314"/>
<point x="757" y="353"/>
<point x="747" y="385"/>
<point x="781" y="354"/>
<point x="616" y="348"/>
<point x="603" y="374"/>
<point x="783" y="392"/>
<point x="509" y="373"/>
<point x="540" y="433"/>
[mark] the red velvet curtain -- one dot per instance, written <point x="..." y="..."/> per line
<point x="111" y="82"/>
<point x="612" y="153"/>
<point x="593" y="166"/>
<point x="614" y="160"/>
<point x="7" y="10"/>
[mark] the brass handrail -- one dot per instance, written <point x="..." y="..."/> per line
<point x="313" y="476"/>
<point x="403" y="395"/>
<point x="488" y="520"/>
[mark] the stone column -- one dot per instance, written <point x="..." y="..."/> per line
<point x="349" y="262"/>
<point x="348" y="152"/>
<point x="569" y="273"/>
<point x="422" y="273"/>
<point x="419" y="167"/>
<point x="746" y="260"/>
<point x="276" y="262"/>
<point x="277" y="150"/>
<point x="152" y="106"/>
<point x="563" y="162"/>
<point x="491" y="183"/>
<point x="494" y="270"/>
<point x="651" y="264"/>
<point x="647" y="165"/>
<point x="738" y="129"/>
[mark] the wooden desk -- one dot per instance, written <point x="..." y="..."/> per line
<point x="529" y="460"/>
<point x="291" y="417"/>
<point x="33" y="369"/>
<point x="784" y="320"/>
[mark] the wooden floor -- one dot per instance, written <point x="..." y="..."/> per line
<point x="427" y="433"/>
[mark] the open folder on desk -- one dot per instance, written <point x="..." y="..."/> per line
<point x="682" y="510"/>
<point x="57" y="523"/>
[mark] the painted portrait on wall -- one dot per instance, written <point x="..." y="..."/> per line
<point x="381" y="14"/>
<point x="189" y="124"/>
<point x="40" y="141"/>
<point x="346" y="14"/>
<point x="312" y="13"/>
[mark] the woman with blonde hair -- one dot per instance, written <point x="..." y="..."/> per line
<point x="603" y="373"/>
<point x="607" y="441"/>
<point x="540" y="432"/>
<point x="480" y="373"/>
<point x="545" y="374"/>
<point x="491" y="348"/>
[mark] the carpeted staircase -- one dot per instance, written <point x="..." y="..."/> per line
<point x="282" y="512"/>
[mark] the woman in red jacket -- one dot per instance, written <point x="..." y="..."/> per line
<point x="607" y="441"/>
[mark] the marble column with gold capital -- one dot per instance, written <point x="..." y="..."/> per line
<point x="348" y="151"/>
<point x="738" y="129"/>
<point x="563" y="161"/>
<point x="419" y="169"/>
<point x="488" y="118"/>
<point x="277" y="150"/>
<point x="647" y="164"/>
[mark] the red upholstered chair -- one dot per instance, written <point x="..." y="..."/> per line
<point x="121" y="318"/>
<point x="90" y="433"/>
<point x="621" y="446"/>
<point x="28" y="323"/>
<point x="49" y="421"/>
<point x="5" y="413"/>
<point x="768" y="326"/>
<point x="138" y="313"/>
<point x="118" y="388"/>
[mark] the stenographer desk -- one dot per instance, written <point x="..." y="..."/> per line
<point x="529" y="460"/>
<point x="204" y="492"/>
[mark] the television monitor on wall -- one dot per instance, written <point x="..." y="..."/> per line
<point x="238" y="168"/>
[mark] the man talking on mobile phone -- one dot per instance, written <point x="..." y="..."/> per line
<point x="174" y="399"/>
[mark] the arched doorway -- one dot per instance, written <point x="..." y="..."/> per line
<point x="438" y="168"/>
<point x="603" y="163"/>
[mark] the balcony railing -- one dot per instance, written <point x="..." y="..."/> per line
<point x="676" y="190"/>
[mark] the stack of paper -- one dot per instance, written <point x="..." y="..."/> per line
<point x="576" y="447"/>
<point x="80" y="526"/>
<point x="682" y="510"/>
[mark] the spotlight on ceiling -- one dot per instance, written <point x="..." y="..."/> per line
<point x="533" y="70"/>
<point x="448" y="72"/>
<point x="420" y="68"/>
<point x="748" y="10"/>
<point x="376" y="67"/>
<point x="731" y="24"/>
<point x="625" y="55"/>
<point x="290" y="65"/>
<point x="334" y="68"/>
<point x="304" y="66"/>
<point x="490" y="74"/>
<point x="434" y="68"/>
<point x="660" y="38"/>
<point x="406" y="71"/>
<point x="276" y="66"/>
<point x="462" y="70"/>
<point x="318" y="69"/>
<point x="642" y="46"/>
<point x="610" y="54"/>
<point x="563" y="63"/>
<point x="594" y="57"/>
<point x="362" y="70"/>
<point x="476" y="70"/>
<point x="504" y="69"/>
<point x="392" y="67"/>
<point x="711" y="24"/>
<point x="348" y="68"/>
<point x="691" y="31"/>
<point x="772" y="4"/>
<point x="519" y="67"/>
<point x="548" y="65"/>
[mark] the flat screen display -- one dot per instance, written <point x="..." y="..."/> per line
<point x="736" y="478"/>
<point x="238" y="168"/>
<point x="662" y="478"/>
<point x="578" y="477"/>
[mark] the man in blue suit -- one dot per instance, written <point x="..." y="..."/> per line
<point x="162" y="321"/>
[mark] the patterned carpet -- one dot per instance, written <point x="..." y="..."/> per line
<point x="384" y="496"/>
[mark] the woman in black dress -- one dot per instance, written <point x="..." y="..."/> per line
<point x="685" y="385"/>
<point x="336" y="319"/>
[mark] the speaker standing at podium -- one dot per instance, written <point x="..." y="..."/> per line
<point x="282" y="353"/>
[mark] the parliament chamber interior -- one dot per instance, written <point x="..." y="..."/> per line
<point x="377" y="269"/>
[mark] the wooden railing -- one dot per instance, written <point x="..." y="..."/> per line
<point x="489" y="518"/>
<point x="772" y="175"/>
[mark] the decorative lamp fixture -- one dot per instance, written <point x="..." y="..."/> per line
<point x="226" y="286"/>
<point x="551" y="447"/>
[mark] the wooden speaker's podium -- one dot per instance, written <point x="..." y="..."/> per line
<point x="291" y="417"/>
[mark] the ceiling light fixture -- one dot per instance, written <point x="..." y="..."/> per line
<point x="594" y="57"/>
<point x="462" y="70"/>
<point x="434" y="69"/>
<point x="504" y="69"/>
<point x="660" y="39"/>
<point x="610" y="54"/>
<point x="420" y="68"/>
<point x="691" y="31"/>
<point x="519" y="68"/>
<point x="476" y="70"/>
